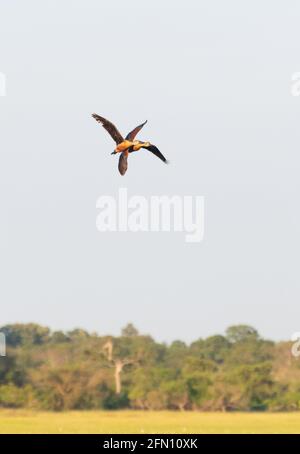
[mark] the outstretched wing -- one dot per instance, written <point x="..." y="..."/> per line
<point x="131" y="135"/>
<point x="110" y="128"/>
<point x="155" y="151"/>
<point x="123" y="163"/>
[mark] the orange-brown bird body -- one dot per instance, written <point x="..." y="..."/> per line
<point x="127" y="145"/>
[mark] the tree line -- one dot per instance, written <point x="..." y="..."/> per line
<point x="238" y="371"/>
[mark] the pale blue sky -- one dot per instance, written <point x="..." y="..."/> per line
<point x="213" y="80"/>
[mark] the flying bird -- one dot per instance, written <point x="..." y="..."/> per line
<point x="127" y="145"/>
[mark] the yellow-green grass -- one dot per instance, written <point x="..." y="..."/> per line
<point x="133" y="422"/>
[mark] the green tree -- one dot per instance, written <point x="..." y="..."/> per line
<point x="25" y="334"/>
<point x="241" y="333"/>
<point x="129" y="331"/>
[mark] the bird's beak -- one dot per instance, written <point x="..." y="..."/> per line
<point x="114" y="152"/>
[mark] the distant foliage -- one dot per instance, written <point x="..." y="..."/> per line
<point x="79" y="370"/>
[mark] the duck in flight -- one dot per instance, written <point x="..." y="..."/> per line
<point x="127" y="145"/>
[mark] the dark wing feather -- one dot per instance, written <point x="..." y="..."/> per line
<point x="156" y="151"/>
<point x="123" y="163"/>
<point x="110" y="128"/>
<point x="131" y="135"/>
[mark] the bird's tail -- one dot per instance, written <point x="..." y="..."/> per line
<point x="123" y="164"/>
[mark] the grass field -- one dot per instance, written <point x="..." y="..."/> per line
<point x="126" y="422"/>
